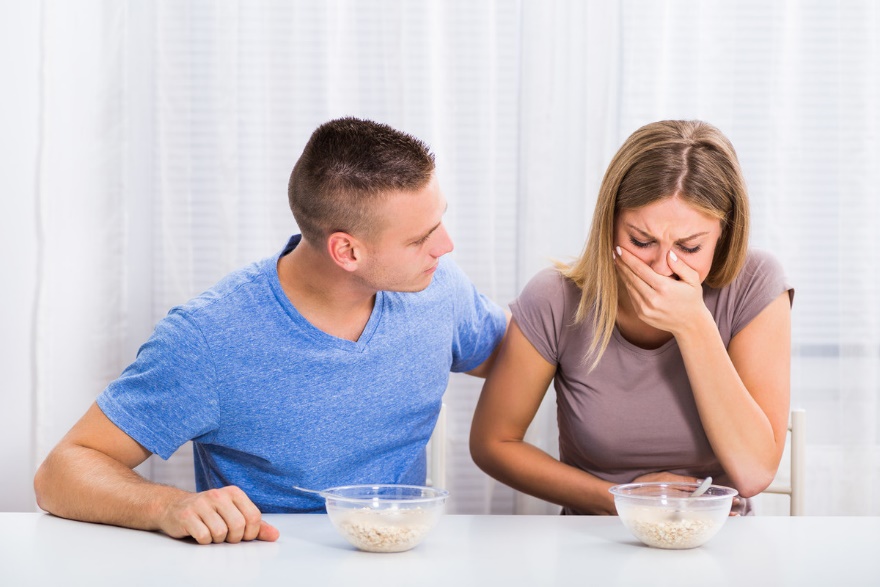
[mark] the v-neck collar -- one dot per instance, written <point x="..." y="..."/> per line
<point x="358" y="346"/>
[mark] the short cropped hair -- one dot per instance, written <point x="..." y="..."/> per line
<point x="346" y="168"/>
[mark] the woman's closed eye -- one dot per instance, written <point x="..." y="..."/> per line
<point x="690" y="250"/>
<point x="645" y="244"/>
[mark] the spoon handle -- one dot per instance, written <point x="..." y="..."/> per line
<point x="304" y="490"/>
<point x="703" y="487"/>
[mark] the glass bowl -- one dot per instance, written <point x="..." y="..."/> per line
<point x="384" y="518"/>
<point x="663" y="515"/>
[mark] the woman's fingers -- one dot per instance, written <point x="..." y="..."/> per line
<point x="636" y="270"/>
<point x="663" y="302"/>
<point x="683" y="270"/>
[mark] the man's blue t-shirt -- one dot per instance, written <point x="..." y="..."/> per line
<point x="270" y="401"/>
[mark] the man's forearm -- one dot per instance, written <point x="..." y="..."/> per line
<point x="84" y="484"/>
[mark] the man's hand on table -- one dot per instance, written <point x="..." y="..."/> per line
<point x="217" y="515"/>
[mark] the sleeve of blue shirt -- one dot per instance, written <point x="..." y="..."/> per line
<point x="479" y="323"/>
<point x="168" y="389"/>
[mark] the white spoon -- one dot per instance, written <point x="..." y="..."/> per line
<point x="706" y="483"/>
<point x="315" y="491"/>
<point x="676" y="515"/>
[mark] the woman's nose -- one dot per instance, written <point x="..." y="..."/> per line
<point x="660" y="263"/>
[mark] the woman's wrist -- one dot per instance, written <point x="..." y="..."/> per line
<point x="698" y="329"/>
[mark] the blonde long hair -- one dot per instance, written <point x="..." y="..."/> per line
<point x="690" y="159"/>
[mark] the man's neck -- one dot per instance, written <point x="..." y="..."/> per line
<point x="324" y="294"/>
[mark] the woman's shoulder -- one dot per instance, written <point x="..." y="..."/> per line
<point x="760" y="281"/>
<point x="544" y="310"/>
<point x="761" y="261"/>
<point x="549" y="284"/>
<point x="761" y="266"/>
<point x="549" y="296"/>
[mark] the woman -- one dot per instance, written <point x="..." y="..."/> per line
<point x="668" y="340"/>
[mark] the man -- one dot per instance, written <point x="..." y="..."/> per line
<point x="323" y="365"/>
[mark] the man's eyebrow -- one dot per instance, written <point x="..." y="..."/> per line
<point x="435" y="227"/>
<point x="427" y="234"/>
<point x="681" y="240"/>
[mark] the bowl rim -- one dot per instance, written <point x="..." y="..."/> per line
<point x="724" y="492"/>
<point x="439" y="495"/>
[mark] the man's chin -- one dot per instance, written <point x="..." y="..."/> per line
<point x="415" y="287"/>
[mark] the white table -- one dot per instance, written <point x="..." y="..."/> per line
<point x="39" y="549"/>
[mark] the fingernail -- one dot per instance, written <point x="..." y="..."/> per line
<point x="619" y="252"/>
<point x="672" y="256"/>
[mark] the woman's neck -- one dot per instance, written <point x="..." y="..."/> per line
<point x="633" y="328"/>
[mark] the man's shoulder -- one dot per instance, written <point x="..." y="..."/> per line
<point x="238" y="292"/>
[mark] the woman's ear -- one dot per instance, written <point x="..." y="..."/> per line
<point x="345" y="250"/>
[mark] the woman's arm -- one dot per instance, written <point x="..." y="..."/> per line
<point x="742" y="392"/>
<point x="510" y="398"/>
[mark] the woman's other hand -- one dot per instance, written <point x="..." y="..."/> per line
<point x="665" y="477"/>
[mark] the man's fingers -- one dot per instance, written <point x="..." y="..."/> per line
<point x="234" y="520"/>
<point x="193" y="525"/>
<point x="268" y="532"/>
<point x="250" y="516"/>
<point x="216" y="524"/>
<point x="221" y="515"/>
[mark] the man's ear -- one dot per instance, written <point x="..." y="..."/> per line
<point x="345" y="250"/>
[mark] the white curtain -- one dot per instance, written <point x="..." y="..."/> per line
<point x="795" y="87"/>
<point x="150" y="145"/>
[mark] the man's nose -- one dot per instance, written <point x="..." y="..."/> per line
<point x="442" y="242"/>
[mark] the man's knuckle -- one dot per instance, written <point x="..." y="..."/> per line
<point x="202" y="536"/>
<point x="219" y="532"/>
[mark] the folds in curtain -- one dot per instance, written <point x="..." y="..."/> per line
<point x="161" y="135"/>
<point x="240" y="87"/>
<point x="67" y="225"/>
<point x="79" y="322"/>
<point x="794" y="85"/>
<point x="19" y="119"/>
<point x="568" y="134"/>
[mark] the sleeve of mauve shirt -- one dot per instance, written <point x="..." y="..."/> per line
<point x="166" y="397"/>
<point x="761" y="281"/>
<point x="539" y="312"/>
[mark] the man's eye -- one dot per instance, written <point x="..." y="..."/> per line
<point x="638" y="243"/>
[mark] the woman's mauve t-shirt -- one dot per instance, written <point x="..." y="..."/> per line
<point x="635" y="412"/>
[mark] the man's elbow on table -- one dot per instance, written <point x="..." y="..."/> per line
<point x="43" y="484"/>
<point x="39" y="493"/>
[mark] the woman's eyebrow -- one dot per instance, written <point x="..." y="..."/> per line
<point x="693" y="236"/>
<point x="681" y="240"/>
<point x="639" y="230"/>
